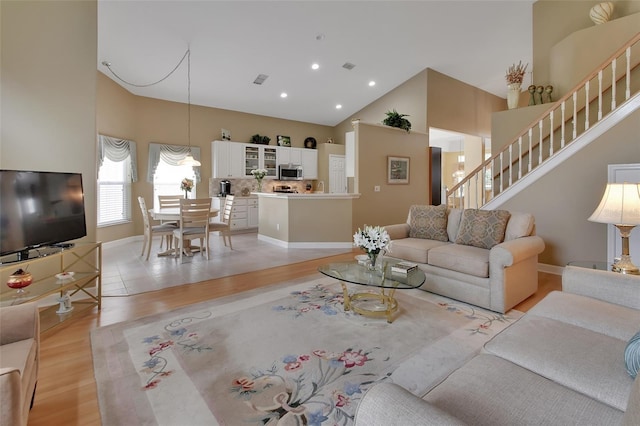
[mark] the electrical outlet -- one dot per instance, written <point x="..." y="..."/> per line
<point x="376" y="188"/>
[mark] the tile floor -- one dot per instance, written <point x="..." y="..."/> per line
<point x="126" y="272"/>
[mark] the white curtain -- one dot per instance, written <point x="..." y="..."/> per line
<point x="117" y="150"/>
<point x="170" y="154"/>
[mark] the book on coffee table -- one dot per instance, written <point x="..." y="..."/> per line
<point x="403" y="267"/>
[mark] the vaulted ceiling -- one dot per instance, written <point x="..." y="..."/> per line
<point x="232" y="42"/>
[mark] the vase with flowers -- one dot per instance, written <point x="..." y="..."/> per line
<point x="372" y="239"/>
<point x="186" y="185"/>
<point x="514" y="77"/>
<point x="259" y="174"/>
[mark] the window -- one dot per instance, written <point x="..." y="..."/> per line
<point x="114" y="192"/>
<point x="167" y="179"/>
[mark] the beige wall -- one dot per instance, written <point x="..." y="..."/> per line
<point x="459" y="107"/>
<point x="555" y="20"/>
<point x="391" y="205"/>
<point x="563" y="199"/>
<point x="146" y="120"/>
<point x="48" y="97"/>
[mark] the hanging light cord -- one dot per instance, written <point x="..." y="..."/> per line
<point x="108" y="65"/>
<point x="188" y="54"/>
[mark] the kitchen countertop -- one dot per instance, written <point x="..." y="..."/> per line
<point x="301" y="195"/>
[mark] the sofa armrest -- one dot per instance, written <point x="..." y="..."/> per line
<point x="398" y="231"/>
<point x="389" y="404"/>
<point x="612" y="287"/>
<point x="10" y="406"/>
<point x="511" y="252"/>
<point x="19" y="322"/>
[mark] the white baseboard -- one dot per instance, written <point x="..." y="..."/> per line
<point x="550" y="269"/>
<point x="318" y="245"/>
<point x="123" y="241"/>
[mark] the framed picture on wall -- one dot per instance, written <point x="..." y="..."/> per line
<point x="397" y="170"/>
<point x="283" y="140"/>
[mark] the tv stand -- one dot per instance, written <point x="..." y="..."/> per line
<point x="23" y="255"/>
<point x="51" y="287"/>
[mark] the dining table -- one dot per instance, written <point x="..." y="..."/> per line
<point x="169" y="214"/>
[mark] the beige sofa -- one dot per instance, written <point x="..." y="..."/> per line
<point x="563" y="363"/>
<point x="488" y="258"/>
<point x="19" y="359"/>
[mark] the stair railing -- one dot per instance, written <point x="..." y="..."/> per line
<point x="564" y="121"/>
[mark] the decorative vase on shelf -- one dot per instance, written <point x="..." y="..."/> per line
<point x="513" y="95"/>
<point x="601" y="12"/>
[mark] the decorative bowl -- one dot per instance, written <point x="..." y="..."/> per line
<point x="601" y="12"/>
<point x="19" y="281"/>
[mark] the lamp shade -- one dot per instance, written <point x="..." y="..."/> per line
<point x="620" y="205"/>
<point x="189" y="161"/>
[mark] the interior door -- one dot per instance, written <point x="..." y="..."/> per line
<point x="337" y="174"/>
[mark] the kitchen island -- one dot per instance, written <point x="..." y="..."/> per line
<point x="306" y="220"/>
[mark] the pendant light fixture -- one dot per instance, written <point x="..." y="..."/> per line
<point x="189" y="160"/>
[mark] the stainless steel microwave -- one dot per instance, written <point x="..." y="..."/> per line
<point x="290" y="172"/>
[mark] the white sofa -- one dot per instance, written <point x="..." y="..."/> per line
<point x="485" y="258"/>
<point x="563" y="363"/>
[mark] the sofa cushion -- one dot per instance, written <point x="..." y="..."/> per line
<point x="519" y="225"/>
<point x="482" y="228"/>
<point x="414" y="249"/>
<point x="453" y="223"/>
<point x="632" y="355"/>
<point x="466" y="259"/>
<point x="429" y="222"/>
<point x="489" y="390"/>
<point x="583" y="360"/>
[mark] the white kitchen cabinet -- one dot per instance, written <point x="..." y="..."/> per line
<point x="260" y="157"/>
<point x="288" y="155"/>
<point x="309" y="163"/>
<point x="244" y="214"/>
<point x="227" y="159"/>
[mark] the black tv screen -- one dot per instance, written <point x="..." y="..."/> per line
<point x="39" y="209"/>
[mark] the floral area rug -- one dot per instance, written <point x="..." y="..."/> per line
<point x="289" y="356"/>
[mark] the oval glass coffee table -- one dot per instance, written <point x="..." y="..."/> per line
<point x="378" y="304"/>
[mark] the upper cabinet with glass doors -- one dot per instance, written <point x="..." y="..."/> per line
<point x="260" y="157"/>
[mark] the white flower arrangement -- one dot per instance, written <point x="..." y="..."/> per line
<point x="372" y="239"/>
<point x="259" y="174"/>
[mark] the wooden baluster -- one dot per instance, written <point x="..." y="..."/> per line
<point x="613" y="85"/>
<point x="551" y="131"/>
<point x="575" y="114"/>
<point x="520" y="157"/>
<point x="586" y="104"/>
<point x="562" y="121"/>
<point x="627" y="94"/>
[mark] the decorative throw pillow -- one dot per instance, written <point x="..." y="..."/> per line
<point x="632" y="355"/>
<point x="429" y="222"/>
<point x="482" y="228"/>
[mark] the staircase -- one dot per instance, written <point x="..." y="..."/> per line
<point x="596" y="104"/>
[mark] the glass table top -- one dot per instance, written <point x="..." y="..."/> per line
<point x="356" y="273"/>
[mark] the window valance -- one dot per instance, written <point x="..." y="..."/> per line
<point x="170" y="154"/>
<point x="117" y="150"/>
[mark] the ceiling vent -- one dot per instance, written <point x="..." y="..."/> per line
<point x="260" y="79"/>
<point x="348" y="66"/>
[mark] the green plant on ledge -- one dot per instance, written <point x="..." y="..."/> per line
<point x="262" y="140"/>
<point x="395" y="119"/>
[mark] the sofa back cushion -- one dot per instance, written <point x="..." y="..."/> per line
<point x="453" y="223"/>
<point x="520" y="225"/>
<point x="482" y="228"/>
<point x="429" y="222"/>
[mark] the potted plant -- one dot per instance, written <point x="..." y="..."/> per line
<point x="262" y="140"/>
<point x="395" y="119"/>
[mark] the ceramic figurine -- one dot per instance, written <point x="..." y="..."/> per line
<point x="546" y="96"/>
<point x="532" y="91"/>
<point x="538" y="95"/>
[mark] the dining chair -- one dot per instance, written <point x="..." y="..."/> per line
<point x="150" y="230"/>
<point x="194" y="223"/>
<point x="224" y="225"/>
<point x="169" y="201"/>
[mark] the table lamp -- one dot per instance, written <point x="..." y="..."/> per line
<point x="620" y="206"/>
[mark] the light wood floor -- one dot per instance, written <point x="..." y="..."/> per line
<point x="66" y="393"/>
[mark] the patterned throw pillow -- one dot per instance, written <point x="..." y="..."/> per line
<point x="429" y="222"/>
<point x="482" y="228"/>
<point x="632" y="355"/>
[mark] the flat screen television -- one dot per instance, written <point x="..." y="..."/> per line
<point x="39" y="209"/>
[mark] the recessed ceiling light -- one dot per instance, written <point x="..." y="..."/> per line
<point x="315" y="66"/>
<point x="338" y="106"/>
<point x="283" y="95"/>
<point x="372" y="83"/>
